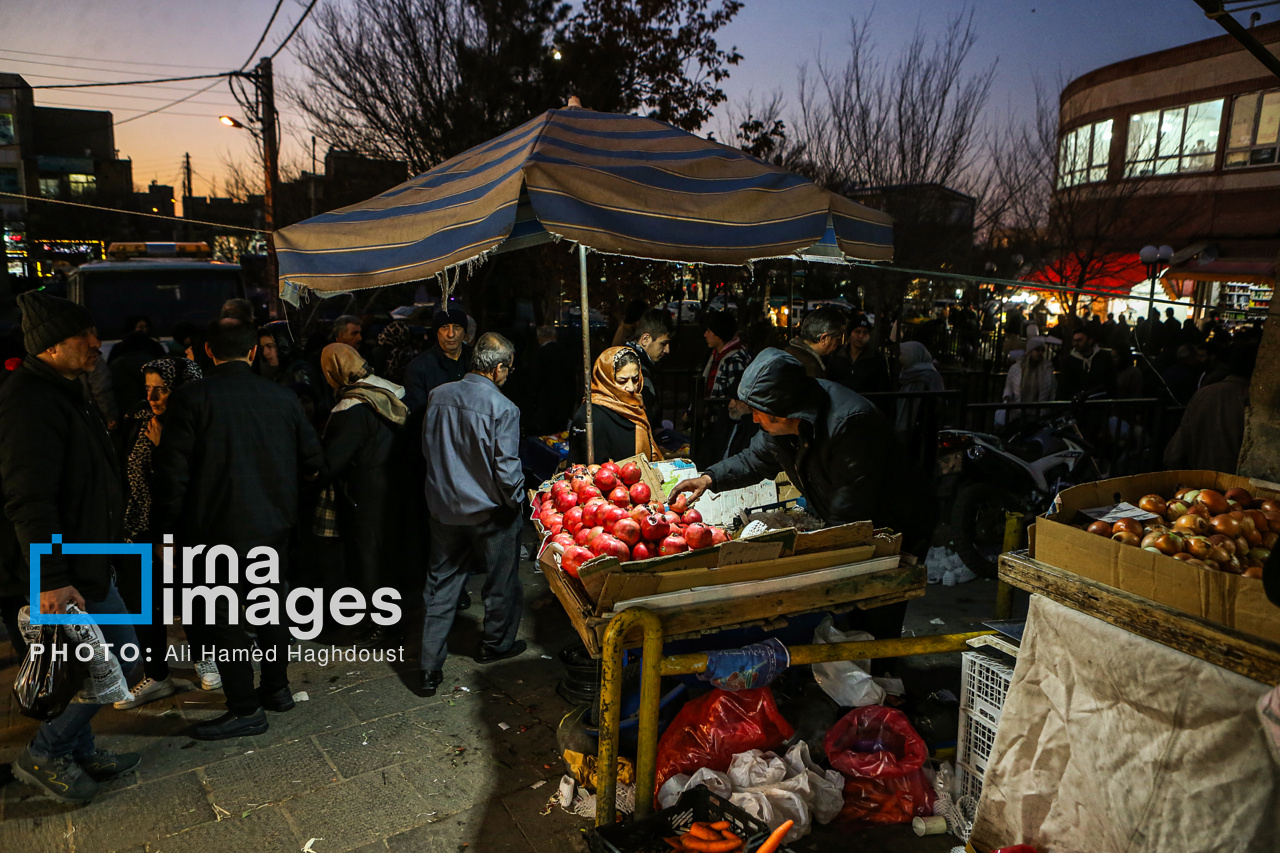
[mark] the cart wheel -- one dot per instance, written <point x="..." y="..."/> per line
<point x="978" y="520"/>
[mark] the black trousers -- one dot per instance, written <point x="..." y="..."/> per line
<point x="215" y="636"/>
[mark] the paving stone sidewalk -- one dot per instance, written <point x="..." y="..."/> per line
<point x="362" y="765"/>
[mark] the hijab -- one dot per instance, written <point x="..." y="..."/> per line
<point x="606" y="392"/>
<point x="346" y="371"/>
<point x="398" y="340"/>
<point x="1033" y="375"/>
<point x="917" y="367"/>
<point x="175" y="372"/>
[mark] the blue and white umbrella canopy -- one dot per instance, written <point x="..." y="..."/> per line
<point x="618" y="184"/>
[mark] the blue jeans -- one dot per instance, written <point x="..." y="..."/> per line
<point x="70" y="733"/>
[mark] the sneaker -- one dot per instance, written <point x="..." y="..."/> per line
<point x="61" y="777"/>
<point x="103" y="766"/>
<point x="148" y="690"/>
<point x="210" y="678"/>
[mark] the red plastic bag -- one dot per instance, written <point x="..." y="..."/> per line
<point x="882" y="758"/>
<point x="712" y="729"/>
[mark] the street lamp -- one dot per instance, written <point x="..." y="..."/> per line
<point x="1156" y="260"/>
<point x="230" y="122"/>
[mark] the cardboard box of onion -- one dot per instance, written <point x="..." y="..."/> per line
<point x="1191" y="540"/>
<point x="707" y="580"/>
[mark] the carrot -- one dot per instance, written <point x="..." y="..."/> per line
<point x="774" y="841"/>
<point x="704" y="832"/>
<point x="674" y="843"/>
<point x="729" y="836"/>
<point x="720" y="825"/>
<point x="703" y="846"/>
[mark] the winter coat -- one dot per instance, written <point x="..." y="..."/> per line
<point x="613" y="435"/>
<point x="1212" y="428"/>
<point x="804" y="353"/>
<point x="918" y="374"/>
<point x="235" y="448"/>
<point x="429" y="371"/>
<point x="366" y="455"/>
<point x="1087" y="375"/>
<point x="60" y="476"/>
<point x="868" y="375"/>
<point x="845" y="461"/>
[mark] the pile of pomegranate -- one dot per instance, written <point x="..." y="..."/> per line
<point x="1232" y="532"/>
<point x="592" y="510"/>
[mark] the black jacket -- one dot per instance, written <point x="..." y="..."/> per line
<point x="649" y="390"/>
<point x="429" y="371"/>
<point x="868" y="375"/>
<point x="235" y="446"/>
<point x="59" y="475"/>
<point x="614" y="436"/>
<point x="845" y="461"/>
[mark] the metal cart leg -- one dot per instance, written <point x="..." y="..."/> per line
<point x="1012" y="541"/>
<point x="610" y="713"/>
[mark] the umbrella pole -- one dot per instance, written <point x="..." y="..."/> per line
<point x="586" y="348"/>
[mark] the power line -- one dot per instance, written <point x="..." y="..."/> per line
<point x="63" y="65"/>
<point x="131" y="212"/>
<point x="110" y="61"/>
<point x="126" y="96"/>
<point x="138" y="82"/>
<point x="263" y="37"/>
<point x="280" y="47"/>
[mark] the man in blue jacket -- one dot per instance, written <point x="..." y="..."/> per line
<point x="474" y="490"/>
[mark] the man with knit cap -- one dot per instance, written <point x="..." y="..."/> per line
<point x="60" y="478"/>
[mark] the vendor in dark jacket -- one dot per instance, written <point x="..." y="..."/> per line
<point x="860" y="366"/>
<point x="836" y="447"/>
<point x="620" y="427"/>
<point x="365" y="450"/>
<point x="61" y="481"/>
<point x="445" y="362"/>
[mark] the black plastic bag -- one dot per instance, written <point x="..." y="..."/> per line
<point x="45" y="686"/>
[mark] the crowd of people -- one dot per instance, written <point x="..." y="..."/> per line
<point x="393" y="461"/>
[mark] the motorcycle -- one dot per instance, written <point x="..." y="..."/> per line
<point x="989" y="476"/>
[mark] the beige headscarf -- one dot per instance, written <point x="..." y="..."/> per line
<point x="606" y="392"/>
<point x="346" y="371"/>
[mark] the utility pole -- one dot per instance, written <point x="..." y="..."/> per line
<point x="267" y="97"/>
<point x="313" y="176"/>
<point x="186" y="192"/>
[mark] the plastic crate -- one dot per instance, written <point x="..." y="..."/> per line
<point x="694" y="805"/>
<point x="984" y="684"/>
<point x="973" y="751"/>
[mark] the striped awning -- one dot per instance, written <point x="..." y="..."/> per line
<point x="618" y="184"/>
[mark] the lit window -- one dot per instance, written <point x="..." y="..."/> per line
<point x="1255" y="127"/>
<point x="50" y="187"/>
<point x="1179" y="139"/>
<point x="82" y="185"/>
<point x="1083" y="154"/>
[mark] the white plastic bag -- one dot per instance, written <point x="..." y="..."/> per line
<point x="775" y="789"/>
<point x="717" y="783"/>
<point x="106" y="683"/>
<point x="847" y="682"/>
<point x="827" y="786"/>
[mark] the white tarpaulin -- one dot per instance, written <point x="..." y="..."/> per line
<point x="1110" y="742"/>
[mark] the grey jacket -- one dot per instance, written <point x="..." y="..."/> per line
<point x="471" y="442"/>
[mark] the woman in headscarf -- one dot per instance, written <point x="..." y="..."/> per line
<point x="1030" y="380"/>
<point x="365" y="448"/>
<point x="142" y="433"/>
<point x="395" y="348"/>
<point x="620" y="428"/>
<point x="918" y="374"/>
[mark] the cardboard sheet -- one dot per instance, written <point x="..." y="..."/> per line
<point x="1109" y="742"/>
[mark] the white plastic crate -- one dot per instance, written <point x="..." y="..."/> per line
<point x="973" y="751"/>
<point x="984" y="684"/>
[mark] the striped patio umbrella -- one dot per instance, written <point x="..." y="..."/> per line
<point x="618" y="184"/>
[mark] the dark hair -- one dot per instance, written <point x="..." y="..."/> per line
<point x="229" y="338"/>
<point x="823" y="320"/>
<point x="239" y="309"/>
<point x="340" y="324"/>
<point x="722" y="324"/>
<point x="655" y="322"/>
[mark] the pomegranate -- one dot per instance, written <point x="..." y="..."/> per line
<point x="643" y="550"/>
<point x="681" y="504"/>
<point x="605" y="480"/>
<point x="590" y="514"/>
<point x="573" y="519"/>
<point x="718" y="536"/>
<point x="627" y="531"/>
<point x="691" y="517"/>
<point x="638" y="512"/>
<point x="580" y="538"/>
<point x="620" y="497"/>
<point x="654" y="527"/>
<point x="639" y="493"/>
<point x="610" y="516"/>
<point x="593" y="534"/>
<point x="630" y="474"/>
<point x="573" y="558"/>
<point x="673" y="545"/>
<point x="698" y="536"/>
<point x="586" y="493"/>
<point x="555" y="526"/>
<point x="578" y="481"/>
<point x="671" y="517"/>
<point x="613" y="547"/>
<point x="611" y="467"/>
<point x="566" y="501"/>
